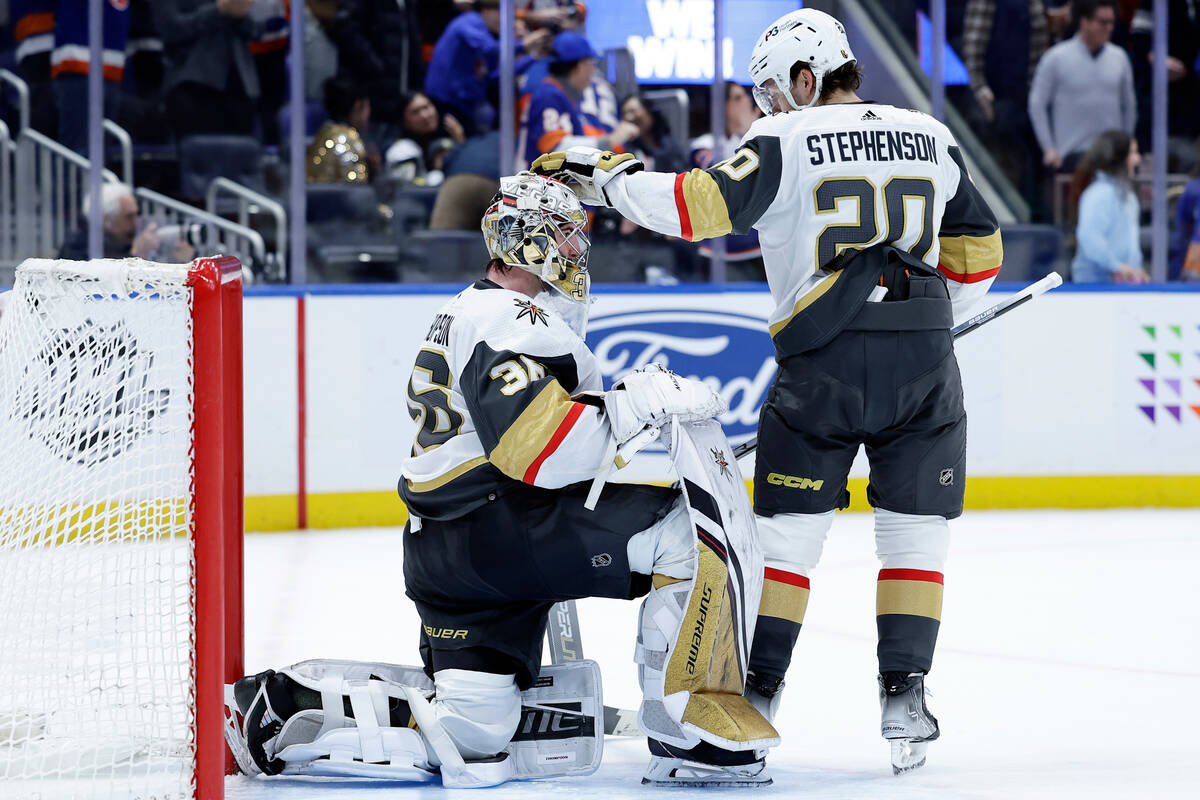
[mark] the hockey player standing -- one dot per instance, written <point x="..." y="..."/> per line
<point x="874" y="239"/>
<point x="512" y="425"/>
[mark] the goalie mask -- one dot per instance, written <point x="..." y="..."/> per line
<point x="537" y="224"/>
<point x="805" y="35"/>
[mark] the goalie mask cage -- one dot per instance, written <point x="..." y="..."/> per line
<point x="120" y="527"/>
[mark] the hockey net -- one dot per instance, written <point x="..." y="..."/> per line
<point x="120" y="527"/>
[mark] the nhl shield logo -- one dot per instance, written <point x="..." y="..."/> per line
<point x="947" y="477"/>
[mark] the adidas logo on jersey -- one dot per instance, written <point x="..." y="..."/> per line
<point x="871" y="116"/>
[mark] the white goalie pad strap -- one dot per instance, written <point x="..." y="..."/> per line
<point x="692" y="687"/>
<point x="331" y="703"/>
<point x="338" y="754"/>
<point x="318" y="669"/>
<point x="452" y="763"/>
<point x="325" y="742"/>
<point x="366" y="716"/>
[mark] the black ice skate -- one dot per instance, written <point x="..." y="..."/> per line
<point x="704" y="765"/>
<point x="764" y="693"/>
<point x="907" y="724"/>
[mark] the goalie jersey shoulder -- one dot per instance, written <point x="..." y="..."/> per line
<point x="487" y="319"/>
<point x="490" y="395"/>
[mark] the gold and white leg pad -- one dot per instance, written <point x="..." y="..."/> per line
<point x="694" y="634"/>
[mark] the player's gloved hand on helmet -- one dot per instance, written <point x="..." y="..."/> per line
<point x="586" y="170"/>
<point x="653" y="395"/>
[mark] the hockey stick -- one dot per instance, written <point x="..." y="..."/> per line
<point x="563" y="635"/>
<point x="962" y="329"/>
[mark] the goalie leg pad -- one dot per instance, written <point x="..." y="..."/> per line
<point x="370" y="720"/>
<point x="694" y="634"/>
<point x="309" y="719"/>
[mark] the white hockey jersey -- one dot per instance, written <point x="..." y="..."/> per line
<point x="491" y="391"/>
<point x="821" y="180"/>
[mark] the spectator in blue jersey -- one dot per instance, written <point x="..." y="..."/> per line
<point x="465" y="56"/>
<point x="33" y="34"/>
<point x="70" y="62"/>
<point x="554" y="119"/>
<point x="1107" y="236"/>
<point x="211" y="82"/>
<point x="269" y="46"/>
<point x="1185" y="239"/>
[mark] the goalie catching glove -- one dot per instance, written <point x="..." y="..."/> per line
<point x="586" y="170"/>
<point x="652" y="395"/>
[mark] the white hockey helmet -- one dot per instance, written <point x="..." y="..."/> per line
<point x="806" y="35"/>
<point x="537" y="224"/>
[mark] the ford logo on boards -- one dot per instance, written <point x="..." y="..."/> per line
<point x="730" y="352"/>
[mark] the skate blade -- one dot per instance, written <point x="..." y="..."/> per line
<point x="668" y="773"/>
<point x="907" y="755"/>
<point x="690" y="783"/>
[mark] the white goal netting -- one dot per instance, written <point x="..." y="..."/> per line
<point x="96" y="586"/>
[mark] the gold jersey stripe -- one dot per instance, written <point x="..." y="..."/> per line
<point x="807" y="300"/>
<point x="969" y="255"/>
<point x="529" y="434"/>
<point x="784" y="601"/>
<point x="447" y="476"/>
<point x="917" y="598"/>
<point x="705" y="206"/>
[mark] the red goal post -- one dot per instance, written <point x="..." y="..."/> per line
<point x="219" y="507"/>
<point x="121" y="526"/>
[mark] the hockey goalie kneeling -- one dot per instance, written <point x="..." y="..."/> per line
<point x="512" y="426"/>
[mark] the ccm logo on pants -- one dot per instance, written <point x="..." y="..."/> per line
<point x="792" y="482"/>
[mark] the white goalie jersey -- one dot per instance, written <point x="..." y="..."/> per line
<point x="818" y="181"/>
<point x="491" y="393"/>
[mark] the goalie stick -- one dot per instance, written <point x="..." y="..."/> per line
<point x="565" y="646"/>
<point x="563" y="632"/>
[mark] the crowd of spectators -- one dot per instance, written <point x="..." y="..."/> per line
<point x="1069" y="118"/>
<point x="403" y="96"/>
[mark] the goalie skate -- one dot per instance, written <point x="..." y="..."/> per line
<point x="907" y="724"/>
<point x="671" y="766"/>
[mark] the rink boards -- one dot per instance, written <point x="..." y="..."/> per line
<point x="1081" y="399"/>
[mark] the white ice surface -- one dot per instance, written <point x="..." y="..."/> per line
<point x="1066" y="665"/>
